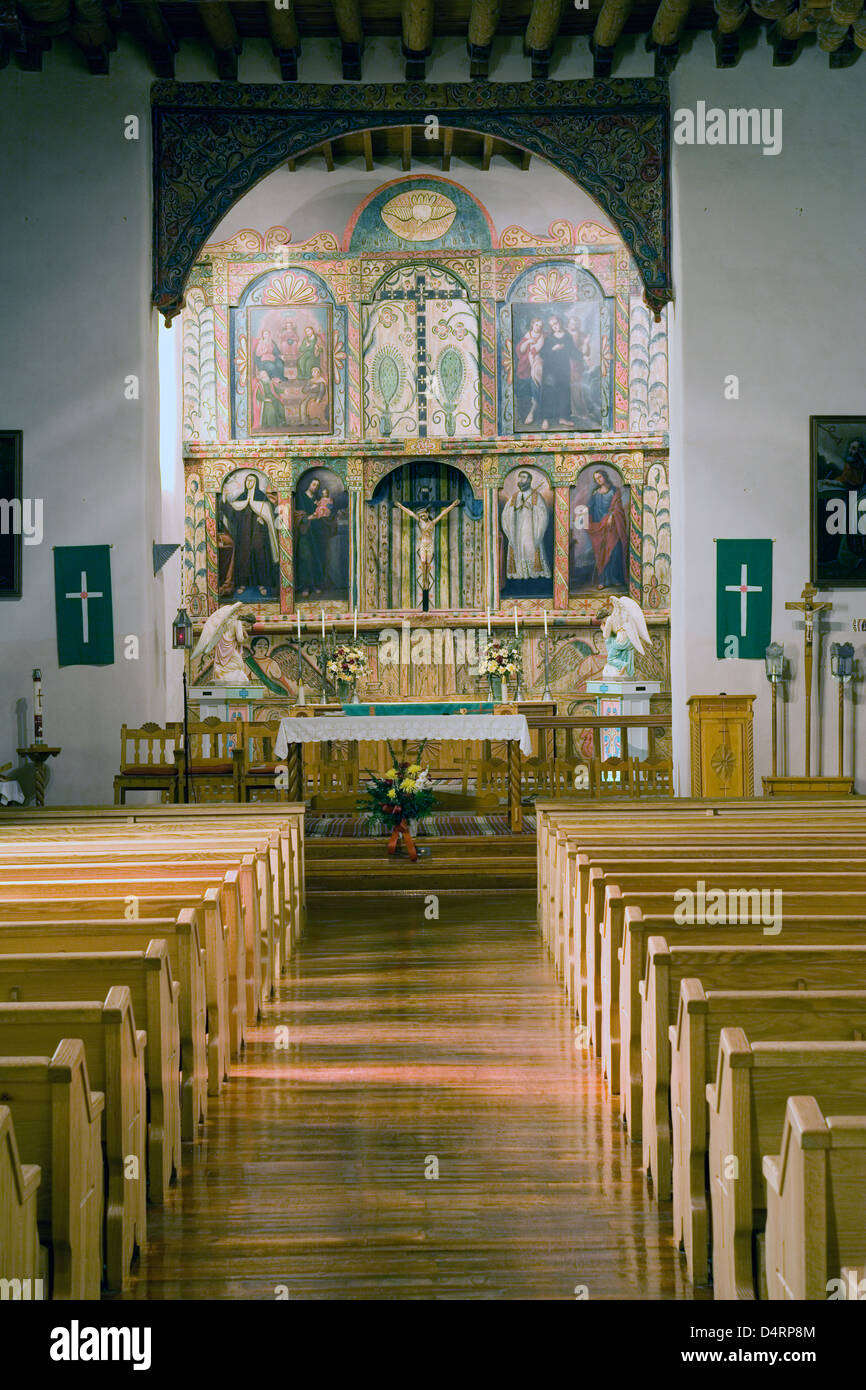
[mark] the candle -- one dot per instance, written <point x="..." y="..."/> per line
<point x="37" y="706"/>
<point x="545" y="622"/>
<point x="515" y="620"/>
<point x="355" y="628"/>
<point x="299" y="625"/>
<point x="488" y="622"/>
<point x="323" y="624"/>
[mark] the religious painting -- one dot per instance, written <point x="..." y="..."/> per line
<point x="556" y="365"/>
<point x="291" y="386"/>
<point x="321" y="511"/>
<point x="14" y="515"/>
<point x="526" y="535"/>
<point x="598" y="521"/>
<point x="838" y="501"/>
<point x="263" y="662"/>
<point x="247" y="541"/>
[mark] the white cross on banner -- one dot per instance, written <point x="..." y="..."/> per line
<point x="744" y="599"/>
<point x="82" y="601"/>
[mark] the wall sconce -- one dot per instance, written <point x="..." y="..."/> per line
<point x="181" y="631"/>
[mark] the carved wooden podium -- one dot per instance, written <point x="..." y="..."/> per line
<point x="723" y="760"/>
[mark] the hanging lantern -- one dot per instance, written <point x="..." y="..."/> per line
<point x="181" y="631"/>
<point x="842" y="660"/>
<point x="774" y="661"/>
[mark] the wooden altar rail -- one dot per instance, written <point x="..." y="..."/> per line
<point x="549" y="726"/>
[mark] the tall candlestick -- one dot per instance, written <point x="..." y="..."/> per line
<point x="299" y="629"/>
<point x="37" y="706"/>
<point x="302" y="699"/>
<point x="545" y="622"/>
<point x="515" y="620"/>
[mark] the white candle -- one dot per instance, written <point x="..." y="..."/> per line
<point x="299" y="625"/>
<point x="488" y="622"/>
<point x="355" y="630"/>
<point x="545" y="622"/>
<point x="515" y="620"/>
<point x="323" y="624"/>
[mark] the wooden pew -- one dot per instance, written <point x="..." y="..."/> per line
<point x="93" y="900"/>
<point x="182" y="940"/>
<point x="20" y="1263"/>
<point x="266" y="926"/>
<point x="816" y="1218"/>
<point x="114" y="1049"/>
<point x="834" y="1012"/>
<point x="58" y="1127"/>
<point x="747" y="1104"/>
<point x="239" y="899"/>
<point x="154" y="994"/>
<point x="804" y="926"/>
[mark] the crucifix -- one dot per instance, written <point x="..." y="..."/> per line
<point x="85" y="597"/>
<point x="810" y="610"/>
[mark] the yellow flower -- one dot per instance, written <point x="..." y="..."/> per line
<point x="392" y="795"/>
<point x="390" y="774"/>
<point x="414" y="769"/>
<point x="408" y="784"/>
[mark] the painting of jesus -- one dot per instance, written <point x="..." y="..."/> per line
<point x="598" y="507"/>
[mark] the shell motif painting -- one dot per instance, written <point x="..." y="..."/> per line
<point x="421" y="214"/>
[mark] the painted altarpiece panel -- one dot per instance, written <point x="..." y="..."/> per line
<point x="247" y="538"/>
<point x="599" y="511"/>
<point x="290" y="382"/>
<point x="526" y="534"/>
<point x="321" y="534"/>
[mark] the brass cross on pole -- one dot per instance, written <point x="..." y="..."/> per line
<point x="809" y="609"/>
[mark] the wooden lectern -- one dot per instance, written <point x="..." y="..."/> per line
<point x="723" y="760"/>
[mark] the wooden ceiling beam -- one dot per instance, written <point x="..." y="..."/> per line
<point x="407" y="147"/>
<point x="285" y="39"/>
<point x="525" y="159"/>
<point x="328" y="155"/>
<point x="350" y="27"/>
<point x="664" y="36"/>
<point x="487" y="152"/>
<point x="158" y="38"/>
<point x="367" y="138"/>
<point x="608" y="28"/>
<point x="726" y="35"/>
<point x="417" y="37"/>
<point x="542" y="28"/>
<point x="483" y="23"/>
<point x="223" y="37"/>
<point x="91" y="30"/>
<point x="447" y="148"/>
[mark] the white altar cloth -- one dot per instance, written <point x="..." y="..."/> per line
<point x="10" y="791"/>
<point x="377" y="728"/>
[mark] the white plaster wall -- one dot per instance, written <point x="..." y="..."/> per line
<point x="768" y="283"/>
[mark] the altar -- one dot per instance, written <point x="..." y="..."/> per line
<point x="413" y="725"/>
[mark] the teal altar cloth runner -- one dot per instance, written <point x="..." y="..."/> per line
<point x="446" y="707"/>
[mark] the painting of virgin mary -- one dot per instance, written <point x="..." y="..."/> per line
<point x="599" y="506"/>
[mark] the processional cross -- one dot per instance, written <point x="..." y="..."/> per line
<point x="810" y="610"/>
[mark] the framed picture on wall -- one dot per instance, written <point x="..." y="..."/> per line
<point x="838" y="501"/>
<point x="11" y="513"/>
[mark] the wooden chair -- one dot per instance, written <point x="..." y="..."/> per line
<point x="148" y="761"/>
<point x="257" y="763"/>
<point x="612" y="777"/>
<point x="653" y="777"/>
<point x="213" y="769"/>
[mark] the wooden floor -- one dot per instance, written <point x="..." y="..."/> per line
<point x="409" y="1041"/>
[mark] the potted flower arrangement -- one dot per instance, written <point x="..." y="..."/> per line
<point x="345" y="668"/>
<point x="399" y="799"/>
<point x="500" y="661"/>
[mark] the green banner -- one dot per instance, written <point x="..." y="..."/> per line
<point x="82" y="600"/>
<point x="744" y="599"/>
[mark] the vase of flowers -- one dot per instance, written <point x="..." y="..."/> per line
<point x="399" y="799"/>
<point x="345" y="668"/>
<point x="500" y="661"/>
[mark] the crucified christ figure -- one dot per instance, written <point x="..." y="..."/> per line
<point x="426" y="526"/>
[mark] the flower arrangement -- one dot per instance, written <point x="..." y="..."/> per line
<point x="405" y="792"/>
<point x="499" y="659"/>
<point x="347" y="664"/>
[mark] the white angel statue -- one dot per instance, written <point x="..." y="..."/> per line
<point x="624" y="631"/>
<point x="223" y="635"/>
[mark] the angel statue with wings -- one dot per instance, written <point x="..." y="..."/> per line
<point x="223" y="636"/>
<point x="625" y="632"/>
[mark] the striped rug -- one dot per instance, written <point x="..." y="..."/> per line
<point x="361" y="827"/>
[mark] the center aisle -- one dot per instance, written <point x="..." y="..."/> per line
<point x="409" y="1043"/>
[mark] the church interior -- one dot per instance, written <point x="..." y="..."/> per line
<point x="432" y="491"/>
